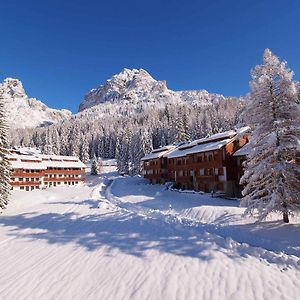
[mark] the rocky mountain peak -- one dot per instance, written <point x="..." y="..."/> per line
<point x="25" y="112"/>
<point x="131" y="85"/>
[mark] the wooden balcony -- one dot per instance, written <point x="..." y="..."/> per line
<point x="67" y="172"/>
<point x="25" y="183"/>
<point x="24" y="174"/>
<point x="207" y="177"/>
<point x="61" y="179"/>
<point x="184" y="179"/>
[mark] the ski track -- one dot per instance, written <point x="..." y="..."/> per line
<point x="108" y="248"/>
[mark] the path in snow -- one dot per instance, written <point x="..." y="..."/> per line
<point x="86" y="243"/>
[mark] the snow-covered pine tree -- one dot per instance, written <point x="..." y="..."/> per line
<point x="122" y="151"/>
<point x="4" y="164"/>
<point x="272" y="177"/>
<point x="182" y="125"/>
<point x="48" y="145"/>
<point x="94" y="167"/>
<point x="84" y="151"/>
<point x="55" y="141"/>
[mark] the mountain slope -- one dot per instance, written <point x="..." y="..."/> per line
<point x="25" y="112"/>
<point x="136" y="86"/>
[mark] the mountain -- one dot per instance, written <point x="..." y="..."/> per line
<point x="25" y="112"/>
<point x="136" y="86"/>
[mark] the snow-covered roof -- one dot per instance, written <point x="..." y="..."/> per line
<point x="32" y="163"/>
<point x="199" y="148"/>
<point x="209" y="146"/>
<point x="58" y="157"/>
<point x="27" y="165"/>
<point x="157" y="153"/>
<point x="64" y="164"/>
<point x="43" y="161"/>
<point x="243" y="151"/>
<point x="25" y="150"/>
<point x="221" y="135"/>
<point x="213" y="142"/>
<point x="23" y="157"/>
<point x="243" y="130"/>
<point x="168" y="147"/>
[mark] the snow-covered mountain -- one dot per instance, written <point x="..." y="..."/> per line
<point x="25" y="112"/>
<point x="136" y="86"/>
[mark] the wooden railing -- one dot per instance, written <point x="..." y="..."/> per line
<point x="52" y="179"/>
<point x="25" y="183"/>
<point x="75" y="172"/>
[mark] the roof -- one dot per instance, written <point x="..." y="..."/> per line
<point x="18" y="164"/>
<point x="168" y="147"/>
<point x="37" y="162"/>
<point x="210" y="143"/>
<point x="245" y="150"/>
<point x="199" y="148"/>
<point x="157" y="153"/>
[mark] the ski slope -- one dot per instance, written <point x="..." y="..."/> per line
<point x="120" y="238"/>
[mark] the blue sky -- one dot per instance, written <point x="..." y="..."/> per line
<point x="62" y="49"/>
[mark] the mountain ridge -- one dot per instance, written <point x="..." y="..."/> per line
<point x="26" y="112"/>
<point x="135" y="85"/>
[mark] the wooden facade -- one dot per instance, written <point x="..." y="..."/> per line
<point x="30" y="172"/>
<point x="155" y="165"/>
<point x="206" y="165"/>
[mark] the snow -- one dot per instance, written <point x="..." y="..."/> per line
<point x="25" y="112"/>
<point x="157" y="153"/>
<point x="121" y="238"/>
<point x="245" y="150"/>
<point x="199" y="148"/>
<point x="38" y="162"/>
<point x="136" y="86"/>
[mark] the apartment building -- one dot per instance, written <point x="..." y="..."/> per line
<point x="36" y="171"/>
<point x="205" y="165"/>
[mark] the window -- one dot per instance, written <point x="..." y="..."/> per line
<point x="21" y="187"/>
<point x="210" y="157"/>
<point x="201" y="172"/>
<point x="27" y="179"/>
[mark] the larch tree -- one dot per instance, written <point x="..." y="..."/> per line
<point x="4" y="164"/>
<point x="272" y="177"/>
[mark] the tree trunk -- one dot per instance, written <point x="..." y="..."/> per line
<point x="285" y="213"/>
<point x="285" y="217"/>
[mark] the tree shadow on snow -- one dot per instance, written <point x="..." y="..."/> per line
<point x="128" y="232"/>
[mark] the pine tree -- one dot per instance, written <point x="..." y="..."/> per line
<point x="4" y="164"/>
<point x="272" y="177"/>
<point x="182" y="126"/>
<point x="94" y="168"/>
<point x="84" y="151"/>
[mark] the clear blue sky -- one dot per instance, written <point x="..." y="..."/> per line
<point x="62" y="49"/>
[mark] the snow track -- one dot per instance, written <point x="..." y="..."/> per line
<point x="88" y="243"/>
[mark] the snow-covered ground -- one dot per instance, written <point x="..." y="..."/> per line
<point x="120" y="238"/>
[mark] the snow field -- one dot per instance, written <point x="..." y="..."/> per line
<point x="119" y="238"/>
